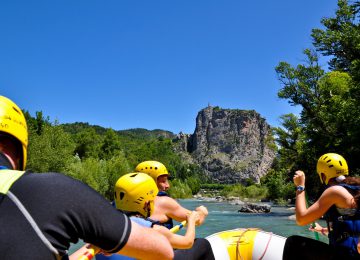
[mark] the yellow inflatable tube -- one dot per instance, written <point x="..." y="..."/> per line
<point x="246" y="244"/>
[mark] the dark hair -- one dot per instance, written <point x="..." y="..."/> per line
<point x="355" y="181"/>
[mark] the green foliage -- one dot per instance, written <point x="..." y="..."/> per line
<point x="88" y="143"/>
<point x="279" y="185"/>
<point x="330" y="102"/>
<point x="341" y="38"/>
<point x="52" y="150"/>
<point x="213" y="186"/>
<point x="101" y="175"/>
<point x="291" y="140"/>
<point x="254" y="192"/>
<point x="180" y="189"/>
<point x="110" y="145"/>
<point x="194" y="184"/>
<point x="99" y="156"/>
<point x="92" y="172"/>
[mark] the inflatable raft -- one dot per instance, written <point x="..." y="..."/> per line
<point x="244" y="244"/>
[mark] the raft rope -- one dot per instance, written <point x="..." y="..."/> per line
<point x="267" y="246"/>
<point x="238" y="242"/>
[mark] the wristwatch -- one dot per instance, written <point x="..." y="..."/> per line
<point x="300" y="188"/>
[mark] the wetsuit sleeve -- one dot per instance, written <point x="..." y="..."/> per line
<point x="67" y="209"/>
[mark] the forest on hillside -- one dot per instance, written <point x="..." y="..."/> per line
<point x="328" y="96"/>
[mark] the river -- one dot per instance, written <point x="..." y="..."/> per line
<point x="224" y="216"/>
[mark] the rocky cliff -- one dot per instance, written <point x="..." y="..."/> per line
<point x="232" y="146"/>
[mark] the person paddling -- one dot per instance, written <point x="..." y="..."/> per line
<point x="339" y="203"/>
<point x="135" y="194"/>
<point x="166" y="208"/>
<point x="41" y="214"/>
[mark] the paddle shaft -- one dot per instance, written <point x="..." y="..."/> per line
<point x="93" y="250"/>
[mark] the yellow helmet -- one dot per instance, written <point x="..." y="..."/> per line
<point x="331" y="165"/>
<point x="12" y="122"/>
<point x="136" y="192"/>
<point x="153" y="168"/>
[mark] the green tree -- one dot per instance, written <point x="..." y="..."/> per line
<point x="329" y="102"/>
<point x="110" y="145"/>
<point x="88" y="143"/>
<point x="279" y="185"/>
<point x="341" y="38"/>
<point x="92" y="172"/>
<point x="290" y="139"/>
<point x="52" y="150"/>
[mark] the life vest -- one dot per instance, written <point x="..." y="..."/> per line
<point x="7" y="179"/>
<point x="344" y="228"/>
<point x="169" y="224"/>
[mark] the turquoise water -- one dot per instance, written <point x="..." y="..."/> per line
<point x="224" y="216"/>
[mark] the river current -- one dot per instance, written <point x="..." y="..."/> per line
<point x="224" y="216"/>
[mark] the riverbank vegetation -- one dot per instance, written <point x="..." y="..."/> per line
<point x="329" y="119"/>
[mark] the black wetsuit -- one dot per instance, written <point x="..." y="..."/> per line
<point x="201" y="250"/>
<point x="65" y="210"/>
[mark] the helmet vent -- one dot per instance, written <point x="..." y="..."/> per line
<point x="122" y="194"/>
<point x="133" y="175"/>
<point x="151" y="168"/>
<point x="340" y="163"/>
<point x="156" y="168"/>
<point x="328" y="161"/>
<point x="17" y="111"/>
<point x="330" y="166"/>
<point x="325" y="157"/>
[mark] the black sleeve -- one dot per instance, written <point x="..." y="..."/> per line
<point x="66" y="210"/>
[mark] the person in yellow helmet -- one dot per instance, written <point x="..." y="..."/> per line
<point x="135" y="194"/>
<point x="41" y="214"/>
<point x="339" y="203"/>
<point x="166" y="208"/>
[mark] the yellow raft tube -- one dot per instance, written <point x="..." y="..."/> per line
<point x="246" y="244"/>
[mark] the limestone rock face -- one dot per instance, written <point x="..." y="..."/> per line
<point x="232" y="146"/>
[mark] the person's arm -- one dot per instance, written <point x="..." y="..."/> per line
<point x="174" y="210"/>
<point x="305" y="215"/>
<point x="171" y="208"/>
<point x="145" y="243"/>
<point x="90" y="217"/>
<point x="179" y="241"/>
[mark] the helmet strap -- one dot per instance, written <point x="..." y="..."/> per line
<point x="5" y="162"/>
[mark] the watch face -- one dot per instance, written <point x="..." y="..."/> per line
<point x="300" y="188"/>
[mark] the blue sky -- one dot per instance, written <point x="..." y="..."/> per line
<point x="151" y="64"/>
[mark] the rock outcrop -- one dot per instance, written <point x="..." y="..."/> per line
<point x="232" y="146"/>
<point x="255" y="208"/>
